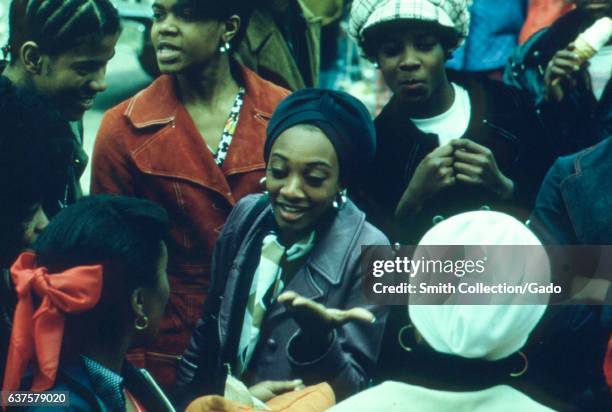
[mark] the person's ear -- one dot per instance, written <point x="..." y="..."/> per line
<point x="231" y="28"/>
<point x="31" y="57"/>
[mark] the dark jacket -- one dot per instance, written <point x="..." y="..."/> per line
<point x="73" y="377"/>
<point x="73" y="159"/>
<point x="578" y="121"/>
<point x="331" y="276"/>
<point x="501" y="120"/>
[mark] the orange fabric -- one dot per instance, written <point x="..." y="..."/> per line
<point x="38" y="335"/>
<point x="608" y="364"/>
<point x="137" y="405"/>
<point x="214" y="403"/>
<point x="541" y="14"/>
<point x="312" y="399"/>
<point x="315" y="398"/>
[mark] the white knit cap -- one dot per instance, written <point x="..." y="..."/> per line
<point x="490" y="332"/>
<point x="453" y="14"/>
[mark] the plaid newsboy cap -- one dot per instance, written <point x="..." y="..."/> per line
<point x="453" y="14"/>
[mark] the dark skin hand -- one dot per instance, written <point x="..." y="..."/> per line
<point x="266" y="390"/>
<point x="316" y="322"/>
<point x="476" y="165"/>
<point x="314" y="318"/>
<point x="461" y="160"/>
<point x="560" y="75"/>
<point x="434" y="173"/>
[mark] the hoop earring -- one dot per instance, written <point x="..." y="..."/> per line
<point x="341" y="200"/>
<point x="141" y="322"/>
<point x="262" y="183"/>
<point x="525" y="366"/>
<point x="400" y="337"/>
<point x="225" y="47"/>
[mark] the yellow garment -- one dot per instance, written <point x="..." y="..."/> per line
<point x="316" y="398"/>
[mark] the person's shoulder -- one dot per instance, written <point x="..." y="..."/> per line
<point x="249" y="206"/>
<point x="5" y="85"/>
<point x="500" y="98"/>
<point x="367" y="234"/>
<point x="594" y="156"/>
<point x="153" y="105"/>
<point x="73" y="380"/>
<point x="144" y="94"/>
<point x="265" y="94"/>
<point x="371" y="235"/>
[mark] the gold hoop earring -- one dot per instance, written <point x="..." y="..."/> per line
<point x="400" y="338"/>
<point x="141" y="322"/>
<point x="525" y="366"/>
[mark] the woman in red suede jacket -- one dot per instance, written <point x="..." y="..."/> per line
<point x="193" y="142"/>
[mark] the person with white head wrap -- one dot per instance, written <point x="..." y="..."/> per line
<point x="447" y="142"/>
<point x="452" y="336"/>
<point x="491" y="332"/>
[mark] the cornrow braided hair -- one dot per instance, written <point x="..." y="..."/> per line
<point x="60" y="25"/>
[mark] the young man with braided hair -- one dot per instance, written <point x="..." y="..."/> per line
<point x="59" y="49"/>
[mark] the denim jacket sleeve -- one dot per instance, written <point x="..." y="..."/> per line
<point x="550" y="220"/>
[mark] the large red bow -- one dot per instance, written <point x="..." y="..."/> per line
<point x="38" y="335"/>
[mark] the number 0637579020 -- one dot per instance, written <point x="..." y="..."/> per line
<point x="29" y="398"/>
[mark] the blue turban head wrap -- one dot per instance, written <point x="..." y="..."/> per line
<point x="341" y="117"/>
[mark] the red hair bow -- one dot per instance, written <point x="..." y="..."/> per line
<point x="38" y="334"/>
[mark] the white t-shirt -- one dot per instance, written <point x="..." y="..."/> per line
<point x="600" y="69"/>
<point x="453" y="123"/>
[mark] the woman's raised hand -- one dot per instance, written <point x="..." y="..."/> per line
<point x="434" y="173"/>
<point x="475" y="165"/>
<point x="316" y="319"/>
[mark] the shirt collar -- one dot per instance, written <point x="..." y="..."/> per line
<point x="107" y="385"/>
